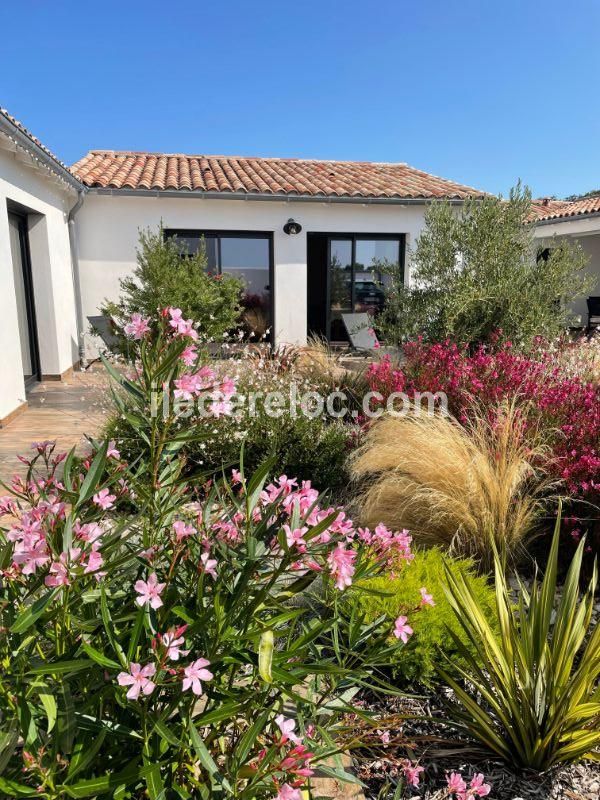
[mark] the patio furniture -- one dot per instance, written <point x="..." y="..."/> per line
<point x="104" y="327"/>
<point x="363" y="338"/>
<point x="593" y="306"/>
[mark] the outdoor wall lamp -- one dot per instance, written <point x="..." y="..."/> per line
<point x="292" y="227"/>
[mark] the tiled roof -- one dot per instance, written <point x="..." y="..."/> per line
<point x="48" y="156"/>
<point x="563" y="210"/>
<point x="266" y="176"/>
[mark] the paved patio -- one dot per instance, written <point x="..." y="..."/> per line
<point x="62" y="410"/>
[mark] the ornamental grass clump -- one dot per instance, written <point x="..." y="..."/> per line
<point x="469" y="489"/>
<point x="531" y="696"/>
<point x="166" y="637"/>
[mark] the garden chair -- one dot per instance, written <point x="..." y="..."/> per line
<point x="593" y="306"/>
<point x="104" y="327"/>
<point x="363" y="338"/>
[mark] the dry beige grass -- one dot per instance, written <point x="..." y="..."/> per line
<point x="466" y="489"/>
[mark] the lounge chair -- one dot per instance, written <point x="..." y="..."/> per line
<point x="363" y="338"/>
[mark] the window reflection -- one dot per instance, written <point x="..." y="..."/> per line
<point x="246" y="257"/>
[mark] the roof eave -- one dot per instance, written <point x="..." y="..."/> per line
<point x="282" y="198"/>
<point x="569" y="218"/>
<point x="26" y="143"/>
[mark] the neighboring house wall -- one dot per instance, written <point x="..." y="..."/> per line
<point x="47" y="205"/>
<point x="586" y="232"/>
<point x="108" y="225"/>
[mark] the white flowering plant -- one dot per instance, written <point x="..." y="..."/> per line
<point x="189" y="642"/>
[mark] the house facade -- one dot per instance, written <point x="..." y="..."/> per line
<point x="580" y="221"/>
<point x="305" y="236"/>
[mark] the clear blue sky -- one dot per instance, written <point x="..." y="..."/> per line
<point x="478" y="91"/>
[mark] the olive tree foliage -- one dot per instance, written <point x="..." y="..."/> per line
<point x="163" y="277"/>
<point x="478" y="273"/>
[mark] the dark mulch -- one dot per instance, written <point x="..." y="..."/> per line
<point x="440" y="751"/>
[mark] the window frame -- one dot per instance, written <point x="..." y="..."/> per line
<point x="218" y="234"/>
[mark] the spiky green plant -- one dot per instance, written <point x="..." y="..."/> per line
<point x="532" y="695"/>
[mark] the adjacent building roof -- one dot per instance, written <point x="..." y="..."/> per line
<point x="109" y="169"/>
<point x="563" y="210"/>
<point x="24" y="139"/>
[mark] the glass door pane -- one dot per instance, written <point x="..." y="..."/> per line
<point x="369" y="282"/>
<point x="24" y="301"/>
<point x="340" y="286"/>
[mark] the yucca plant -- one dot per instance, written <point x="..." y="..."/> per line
<point x="532" y="695"/>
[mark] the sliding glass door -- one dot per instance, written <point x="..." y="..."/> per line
<point x="356" y="276"/>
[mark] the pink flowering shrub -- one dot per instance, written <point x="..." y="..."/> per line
<point x="566" y="405"/>
<point x="154" y="631"/>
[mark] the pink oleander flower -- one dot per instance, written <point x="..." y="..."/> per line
<point x="7" y="505"/>
<point x="341" y="563"/>
<point x="137" y="327"/>
<point x="112" y="451"/>
<point x="287" y="792"/>
<point x="412" y="773"/>
<point x="426" y="598"/>
<point x="402" y="630"/>
<point x="94" y="563"/>
<point x="149" y="591"/>
<point x="31" y="556"/>
<point x="194" y="674"/>
<point x="58" y="572"/>
<point x="173" y="642"/>
<point x="295" y="537"/>
<point x="189" y="355"/>
<point x="477" y="786"/>
<point x="456" y="785"/>
<point x="184" y="327"/>
<point x="208" y="565"/>
<point x="287" y="727"/>
<point x="182" y="531"/>
<point x="90" y="532"/>
<point x="104" y="499"/>
<point x="138" y="678"/>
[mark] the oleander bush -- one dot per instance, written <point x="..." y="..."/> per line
<point x="398" y="593"/>
<point x="162" y="636"/>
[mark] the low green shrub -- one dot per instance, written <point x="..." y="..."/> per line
<point x="391" y="596"/>
<point x="164" y="278"/>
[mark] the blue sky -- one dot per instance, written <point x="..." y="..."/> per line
<point x="478" y="91"/>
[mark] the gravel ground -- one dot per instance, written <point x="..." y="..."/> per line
<point x="440" y="751"/>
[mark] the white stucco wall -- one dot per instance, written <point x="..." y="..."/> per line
<point x="47" y="202"/>
<point x="587" y="233"/>
<point x="107" y="231"/>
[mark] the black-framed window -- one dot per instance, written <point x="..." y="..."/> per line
<point x="246" y="255"/>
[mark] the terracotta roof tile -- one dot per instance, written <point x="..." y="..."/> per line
<point x="563" y="209"/>
<point x="110" y="169"/>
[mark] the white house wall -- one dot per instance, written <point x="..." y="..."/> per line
<point x="587" y="233"/>
<point x="47" y="204"/>
<point x="108" y="225"/>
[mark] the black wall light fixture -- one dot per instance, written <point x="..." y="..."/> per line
<point x="292" y="227"/>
